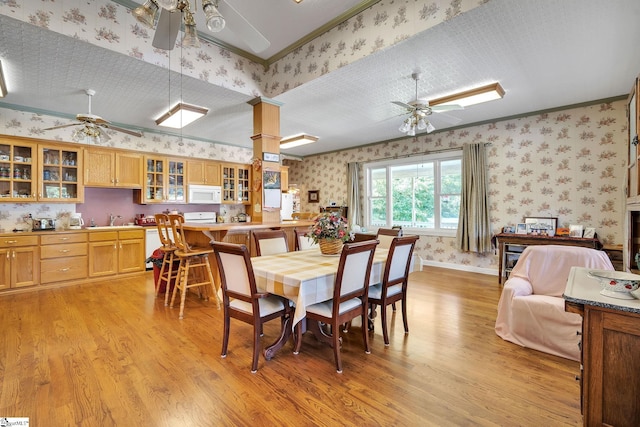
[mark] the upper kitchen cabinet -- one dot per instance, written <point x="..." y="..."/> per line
<point x="236" y="181"/>
<point x="18" y="173"/>
<point x="165" y="180"/>
<point x="633" y="113"/>
<point x="112" y="168"/>
<point x="203" y="172"/>
<point x="60" y="174"/>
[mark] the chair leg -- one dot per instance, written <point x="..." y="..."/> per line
<point x="404" y="314"/>
<point x="211" y="282"/>
<point x="256" y="347"/>
<point x="385" y="329"/>
<point x="225" y="333"/>
<point x="335" y="336"/>
<point x="161" y="275"/>
<point x="183" y="291"/>
<point x="297" y="340"/>
<point x="180" y="280"/>
<point x="365" y="333"/>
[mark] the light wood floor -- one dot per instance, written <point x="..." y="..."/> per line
<point x="110" y="354"/>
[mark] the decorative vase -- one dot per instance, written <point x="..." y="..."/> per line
<point x="330" y="247"/>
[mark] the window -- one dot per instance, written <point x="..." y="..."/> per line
<point x="419" y="194"/>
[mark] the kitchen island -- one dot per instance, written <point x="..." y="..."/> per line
<point x="610" y="379"/>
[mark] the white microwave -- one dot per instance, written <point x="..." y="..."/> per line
<point x="204" y="194"/>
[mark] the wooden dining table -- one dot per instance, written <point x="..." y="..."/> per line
<point x="304" y="277"/>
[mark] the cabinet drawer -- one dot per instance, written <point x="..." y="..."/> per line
<point x="61" y="269"/>
<point x="67" y="250"/>
<point x="12" y="241"/>
<point x="101" y="236"/>
<point x="131" y="234"/>
<point x="54" y="239"/>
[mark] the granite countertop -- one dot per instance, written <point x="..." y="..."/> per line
<point x="582" y="289"/>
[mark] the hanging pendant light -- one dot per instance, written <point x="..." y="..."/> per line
<point x="215" y="21"/>
<point x="190" y="38"/>
<point x="147" y="13"/>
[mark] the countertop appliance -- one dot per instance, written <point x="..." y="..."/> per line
<point x="204" y="194"/>
<point x="201" y="217"/>
<point x="286" y="208"/>
<point x="41" y="224"/>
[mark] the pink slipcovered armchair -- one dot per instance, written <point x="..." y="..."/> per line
<point x="531" y="308"/>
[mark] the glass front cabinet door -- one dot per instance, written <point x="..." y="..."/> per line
<point x="18" y="176"/>
<point x="60" y="174"/>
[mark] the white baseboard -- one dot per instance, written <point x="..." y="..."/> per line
<point x="469" y="268"/>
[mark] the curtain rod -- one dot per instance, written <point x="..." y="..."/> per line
<point x="405" y="156"/>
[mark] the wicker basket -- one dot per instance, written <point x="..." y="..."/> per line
<point x="330" y="247"/>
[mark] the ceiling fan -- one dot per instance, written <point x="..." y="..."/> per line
<point x="93" y="125"/>
<point x="418" y="110"/>
<point x="217" y="14"/>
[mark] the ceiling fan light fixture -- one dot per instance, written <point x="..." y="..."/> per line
<point x="297" y="140"/>
<point x="147" y="13"/>
<point x="169" y="5"/>
<point x="190" y="38"/>
<point x="180" y="115"/>
<point x="215" y="21"/>
<point x="474" y="96"/>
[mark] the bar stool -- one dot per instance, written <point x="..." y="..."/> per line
<point x="192" y="260"/>
<point x="167" y="273"/>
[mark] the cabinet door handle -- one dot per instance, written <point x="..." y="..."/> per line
<point x="64" y="270"/>
<point x="64" y="238"/>
<point x="13" y="254"/>
<point x="115" y="247"/>
<point x="120" y="245"/>
<point x="64" y="251"/>
<point x="10" y="242"/>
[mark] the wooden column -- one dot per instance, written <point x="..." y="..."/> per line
<point x="266" y="139"/>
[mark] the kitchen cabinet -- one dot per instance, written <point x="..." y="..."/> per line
<point x="165" y="180"/>
<point x="284" y="178"/>
<point x="19" y="261"/>
<point x="60" y="174"/>
<point x="112" y="168"/>
<point x="203" y="172"/>
<point x="116" y="252"/>
<point x="236" y="184"/>
<point x="63" y="257"/>
<point x="18" y="173"/>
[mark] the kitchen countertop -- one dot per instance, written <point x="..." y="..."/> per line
<point x="582" y="289"/>
<point x="86" y="229"/>
<point x="230" y="226"/>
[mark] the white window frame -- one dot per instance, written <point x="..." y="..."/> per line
<point x="437" y="159"/>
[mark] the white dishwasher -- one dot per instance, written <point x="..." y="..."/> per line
<point x="152" y="243"/>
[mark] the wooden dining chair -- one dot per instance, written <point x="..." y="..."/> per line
<point x="270" y="242"/>
<point x="194" y="266"/>
<point x="386" y="235"/>
<point x="350" y="293"/>
<point x="394" y="282"/>
<point x="303" y="240"/>
<point x="167" y="274"/>
<point x="240" y="298"/>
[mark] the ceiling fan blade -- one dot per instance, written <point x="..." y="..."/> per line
<point x="448" y="107"/>
<point x="403" y="105"/>
<point x="448" y="118"/>
<point x="63" y="126"/>
<point x="119" y="129"/>
<point x="167" y="29"/>
<point x="242" y="28"/>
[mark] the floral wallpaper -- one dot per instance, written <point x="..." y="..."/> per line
<point x="568" y="164"/>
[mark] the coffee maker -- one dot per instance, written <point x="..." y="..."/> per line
<point x="75" y="221"/>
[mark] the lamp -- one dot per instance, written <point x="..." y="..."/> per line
<point x="147" y="13"/>
<point x="472" y="96"/>
<point x="415" y="121"/>
<point x="215" y="21"/>
<point x="3" y="85"/>
<point x="190" y="38"/>
<point x="180" y="115"/>
<point x="297" y="140"/>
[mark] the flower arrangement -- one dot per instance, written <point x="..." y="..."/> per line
<point x="330" y="226"/>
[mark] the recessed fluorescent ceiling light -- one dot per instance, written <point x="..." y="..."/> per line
<point x="181" y="115"/>
<point x="297" y="140"/>
<point x="472" y="96"/>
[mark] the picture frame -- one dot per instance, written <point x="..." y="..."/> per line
<point x="589" y="233"/>
<point x="271" y="157"/>
<point x="541" y="225"/>
<point x="521" y="228"/>
<point x="314" y="196"/>
<point x="576" y="230"/>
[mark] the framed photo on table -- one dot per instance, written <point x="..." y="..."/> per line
<point x="521" y="228"/>
<point x="541" y="225"/>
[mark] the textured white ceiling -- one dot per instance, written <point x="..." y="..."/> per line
<point x="545" y="53"/>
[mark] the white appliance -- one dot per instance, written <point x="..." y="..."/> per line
<point x="204" y="194"/>
<point x="152" y="243"/>
<point x="200" y="217"/>
<point x="286" y="207"/>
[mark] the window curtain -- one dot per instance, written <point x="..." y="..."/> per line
<point x="474" y="232"/>
<point x="353" y="199"/>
